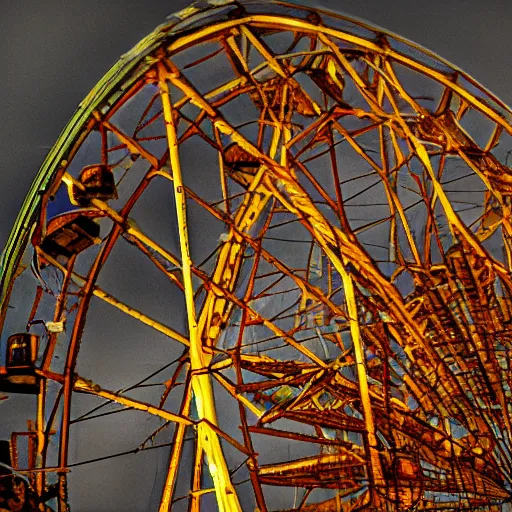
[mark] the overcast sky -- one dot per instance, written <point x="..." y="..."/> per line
<point x="53" y="52"/>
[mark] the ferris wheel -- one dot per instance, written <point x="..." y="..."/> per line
<point x="276" y="242"/>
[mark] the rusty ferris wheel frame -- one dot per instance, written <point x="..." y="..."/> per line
<point x="358" y="293"/>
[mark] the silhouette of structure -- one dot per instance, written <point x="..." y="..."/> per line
<point x="339" y="246"/>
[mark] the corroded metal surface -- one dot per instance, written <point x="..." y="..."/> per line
<point x="337" y="253"/>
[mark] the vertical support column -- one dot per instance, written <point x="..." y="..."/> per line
<point x="177" y="447"/>
<point x="40" y="445"/>
<point x="374" y="460"/>
<point x="195" y="498"/>
<point x="203" y="392"/>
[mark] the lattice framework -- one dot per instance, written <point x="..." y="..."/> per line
<point x="381" y="343"/>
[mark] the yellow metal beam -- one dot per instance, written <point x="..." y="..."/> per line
<point x="207" y="438"/>
<point x="174" y="459"/>
<point x="84" y="386"/>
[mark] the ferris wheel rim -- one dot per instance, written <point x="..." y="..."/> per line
<point x="77" y="128"/>
<point x="113" y="78"/>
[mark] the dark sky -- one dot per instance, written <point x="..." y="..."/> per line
<point x="53" y="52"/>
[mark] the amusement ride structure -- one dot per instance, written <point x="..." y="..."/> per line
<point x="326" y="207"/>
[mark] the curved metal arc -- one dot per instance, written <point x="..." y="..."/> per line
<point x="325" y="235"/>
<point x="79" y="323"/>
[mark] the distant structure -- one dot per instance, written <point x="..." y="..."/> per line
<point x="330" y="210"/>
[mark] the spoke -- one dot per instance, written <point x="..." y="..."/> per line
<point x="84" y="386"/>
<point x="174" y="459"/>
<point x="110" y="299"/>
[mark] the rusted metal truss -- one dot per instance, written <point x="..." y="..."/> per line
<point x="338" y="257"/>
